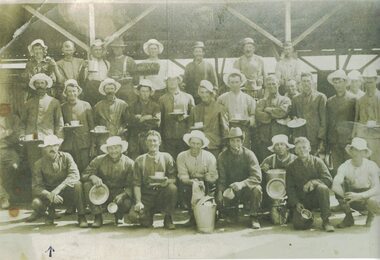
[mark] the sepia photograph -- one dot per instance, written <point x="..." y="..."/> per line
<point x="189" y="129"/>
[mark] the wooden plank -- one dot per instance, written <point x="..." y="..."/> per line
<point x="337" y="65"/>
<point x="254" y="26"/>
<point x="288" y="21"/>
<point x="178" y="64"/>
<point x="56" y="27"/>
<point x="318" y="23"/>
<point x="369" y="63"/>
<point x="309" y="63"/>
<point x="91" y="23"/>
<point x="275" y="52"/>
<point x="129" y="25"/>
<point x="346" y="61"/>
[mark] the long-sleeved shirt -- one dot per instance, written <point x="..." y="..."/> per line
<point x="101" y="74"/>
<point x="49" y="174"/>
<point x="113" y="115"/>
<point x="34" y="67"/>
<point x="276" y="163"/>
<point x="42" y="116"/>
<point x="368" y="109"/>
<point x="287" y="69"/>
<point x="238" y="167"/>
<point x="139" y="108"/>
<point x="158" y="80"/>
<point x="71" y="69"/>
<point x="299" y="173"/>
<point x="252" y="68"/>
<point x="170" y="126"/>
<point x="146" y="165"/>
<point x="313" y="109"/>
<point x="340" y="113"/>
<point x="78" y="137"/>
<point x="215" y="122"/>
<point x="201" y="167"/>
<point x="240" y="103"/>
<point x="114" y="174"/>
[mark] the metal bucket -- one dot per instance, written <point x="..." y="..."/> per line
<point x="276" y="187"/>
<point x="204" y="213"/>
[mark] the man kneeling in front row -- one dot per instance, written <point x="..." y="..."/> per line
<point x="55" y="181"/>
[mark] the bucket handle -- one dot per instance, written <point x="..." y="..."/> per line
<point x="205" y="199"/>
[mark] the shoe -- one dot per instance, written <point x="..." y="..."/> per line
<point x="327" y="226"/>
<point x="4" y="204"/>
<point x="369" y="220"/>
<point x="146" y="221"/>
<point x="98" y="221"/>
<point x="168" y="222"/>
<point x="348" y="221"/>
<point x="116" y="218"/>
<point x="82" y="221"/>
<point x="49" y="218"/>
<point x="33" y="217"/>
<point x="255" y="224"/>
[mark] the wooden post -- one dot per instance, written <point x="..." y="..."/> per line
<point x="288" y="21"/>
<point x="337" y="65"/>
<point x="91" y="23"/>
<point x="347" y="61"/>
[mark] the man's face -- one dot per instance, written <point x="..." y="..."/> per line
<point x="110" y="90"/>
<point x="114" y="151"/>
<point x="97" y="52"/>
<point x="292" y="87"/>
<point x="340" y="86"/>
<point x="72" y="93"/>
<point x="145" y="93"/>
<point x="272" y="86"/>
<point x="51" y="151"/>
<point x="204" y="94"/>
<point x="38" y="51"/>
<point x="198" y="53"/>
<point x="249" y="49"/>
<point x="41" y="87"/>
<point x="235" y="82"/>
<point x="280" y="149"/>
<point x="356" y="154"/>
<point x="153" y="50"/>
<point x="172" y="84"/>
<point x="302" y="149"/>
<point x="355" y="84"/>
<point x="288" y="51"/>
<point x="236" y="143"/>
<point x="195" y="145"/>
<point x="370" y="83"/>
<point x="153" y="143"/>
<point x="306" y="85"/>
<point x="68" y="48"/>
<point x="117" y="50"/>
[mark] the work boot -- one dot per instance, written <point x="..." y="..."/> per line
<point x="369" y="220"/>
<point x="49" y="219"/>
<point x="33" y="217"/>
<point x="255" y="224"/>
<point x="4" y="203"/>
<point x="327" y="226"/>
<point x="348" y="221"/>
<point x="168" y="222"/>
<point x="116" y="218"/>
<point x="70" y="211"/>
<point x="98" y="221"/>
<point x="82" y="221"/>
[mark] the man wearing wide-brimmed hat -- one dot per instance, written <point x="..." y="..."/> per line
<point x="77" y="140"/>
<point x="251" y="65"/>
<point x="196" y="167"/>
<point x="41" y="115"/>
<point x="239" y="105"/>
<point x="270" y="109"/>
<point x="357" y="183"/>
<point x="198" y="70"/>
<point x="355" y="86"/>
<point x="55" y="180"/>
<point x="281" y="156"/>
<point x="145" y="116"/>
<point x="240" y="171"/>
<point x="212" y="116"/>
<point x="115" y="170"/>
<point x="368" y="114"/>
<point x="340" y="118"/>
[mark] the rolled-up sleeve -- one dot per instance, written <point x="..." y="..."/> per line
<point x="37" y="180"/>
<point x="212" y="172"/>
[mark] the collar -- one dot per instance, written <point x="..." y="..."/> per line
<point x="286" y="158"/>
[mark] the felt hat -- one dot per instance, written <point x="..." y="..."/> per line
<point x="226" y="76"/>
<point x="354" y="75"/>
<point x="338" y="74"/>
<point x="40" y="76"/>
<point x="370" y="73"/>
<point x="145" y="83"/>
<point x="235" y="132"/>
<point x="207" y="85"/>
<point x="280" y="139"/>
<point x="360" y="144"/>
<point x="248" y="40"/>
<point x="114" y="140"/>
<point x="153" y="41"/>
<point x="196" y="134"/>
<point x="106" y="82"/>
<point x="51" y="140"/>
<point x="198" y="45"/>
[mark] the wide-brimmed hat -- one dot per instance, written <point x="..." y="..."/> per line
<point x="153" y="41"/>
<point x="196" y="134"/>
<point x="360" y="144"/>
<point x="106" y="82"/>
<point x="198" y="45"/>
<point x="114" y="140"/>
<point x="35" y="42"/>
<point x="72" y="82"/>
<point x="226" y="76"/>
<point x="247" y="40"/>
<point x="207" y="85"/>
<point x="145" y="83"/>
<point x="235" y="132"/>
<point x="354" y="75"/>
<point x="280" y="139"/>
<point x="370" y="73"/>
<point x="97" y="43"/>
<point x="338" y="74"/>
<point x="98" y="195"/>
<point x="40" y="76"/>
<point x="51" y="140"/>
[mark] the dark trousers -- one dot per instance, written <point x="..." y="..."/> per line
<point x="81" y="157"/>
<point x="338" y="155"/>
<point x="188" y="192"/>
<point x="161" y="199"/>
<point x="174" y="147"/>
<point x="371" y="204"/>
<point x="72" y="196"/>
<point x="91" y="92"/>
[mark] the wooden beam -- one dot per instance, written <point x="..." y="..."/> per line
<point x="126" y="27"/>
<point x="318" y="23"/>
<point x="309" y="63"/>
<point x="91" y="23"/>
<point x="56" y="27"/>
<point x="223" y="65"/>
<point x="369" y="63"/>
<point x="347" y="61"/>
<point x="254" y="26"/>
<point x="178" y="64"/>
<point x="275" y="52"/>
<point x="288" y="22"/>
<point x="337" y="61"/>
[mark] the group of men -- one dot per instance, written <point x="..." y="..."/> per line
<point x="110" y="131"/>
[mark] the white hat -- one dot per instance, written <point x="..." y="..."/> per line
<point x="37" y="41"/>
<point x="280" y="139"/>
<point x="106" y="82"/>
<point x="41" y="76"/>
<point x="234" y="72"/>
<point x="153" y="41"/>
<point x="370" y="73"/>
<point x="145" y="83"/>
<point x="338" y="74"/>
<point x="196" y="134"/>
<point x="354" y="75"/>
<point x="114" y="140"/>
<point x="360" y="144"/>
<point x="71" y="82"/>
<point x="248" y="40"/>
<point x="207" y="85"/>
<point x="97" y="43"/>
<point x="51" y="140"/>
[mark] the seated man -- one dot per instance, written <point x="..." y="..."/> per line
<point x="239" y="170"/>
<point x="153" y="195"/>
<point x="55" y="181"/>
<point x="308" y="181"/>
<point x="115" y="170"/>
<point x="196" y="166"/>
<point x="357" y="183"/>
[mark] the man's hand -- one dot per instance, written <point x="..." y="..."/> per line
<point x="309" y="186"/>
<point x="139" y="206"/>
<point x="119" y="199"/>
<point x="51" y="61"/>
<point x="96" y="180"/>
<point x="265" y="167"/>
<point x="268" y="110"/>
<point x="236" y="186"/>
<point x="352" y="196"/>
<point x="58" y="199"/>
<point x="299" y="207"/>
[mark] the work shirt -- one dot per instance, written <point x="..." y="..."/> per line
<point x="34" y="67"/>
<point x="101" y="74"/>
<point x="158" y="81"/>
<point x="78" y="137"/>
<point x="140" y="108"/>
<point x="201" y="167"/>
<point x="298" y="173"/>
<point x="287" y="69"/>
<point x="215" y="122"/>
<point x="238" y="167"/>
<point x="48" y="174"/>
<point x="240" y="103"/>
<point x="113" y="115"/>
<point x="146" y="165"/>
<point x="43" y="116"/>
<point x="367" y="109"/>
<point x="252" y="68"/>
<point x="114" y="174"/>
<point x="276" y="163"/>
<point x="71" y="69"/>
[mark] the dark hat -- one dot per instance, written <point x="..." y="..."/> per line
<point x="198" y="45"/>
<point x="303" y="219"/>
<point x="235" y="132"/>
